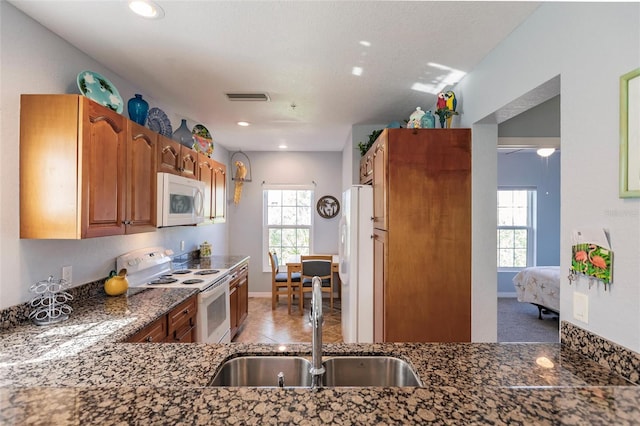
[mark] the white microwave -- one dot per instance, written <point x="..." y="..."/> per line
<point x="180" y="200"/>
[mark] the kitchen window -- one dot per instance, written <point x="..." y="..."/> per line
<point x="288" y="221"/>
<point x="516" y="227"/>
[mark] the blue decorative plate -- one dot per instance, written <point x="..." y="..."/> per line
<point x="98" y="88"/>
<point x="158" y="121"/>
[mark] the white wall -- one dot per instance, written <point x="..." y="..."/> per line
<point x="325" y="168"/>
<point x="590" y="45"/>
<point x="34" y="60"/>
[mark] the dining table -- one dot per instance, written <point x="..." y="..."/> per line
<point x="294" y="265"/>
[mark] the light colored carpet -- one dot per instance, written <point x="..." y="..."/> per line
<point x="518" y="322"/>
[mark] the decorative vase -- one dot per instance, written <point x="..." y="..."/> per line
<point x="138" y="109"/>
<point x="428" y="121"/>
<point x="415" y="119"/>
<point x="183" y="135"/>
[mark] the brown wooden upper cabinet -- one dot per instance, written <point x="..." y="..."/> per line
<point x="76" y="158"/>
<point x="177" y="159"/>
<point x="214" y="175"/>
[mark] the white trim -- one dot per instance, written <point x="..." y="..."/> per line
<point x="507" y="294"/>
<point x="528" y="142"/>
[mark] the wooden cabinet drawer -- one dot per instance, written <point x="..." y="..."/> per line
<point x="183" y="315"/>
<point x="155" y="332"/>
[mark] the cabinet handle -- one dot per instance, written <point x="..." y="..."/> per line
<point x="149" y="339"/>
<point x="186" y="312"/>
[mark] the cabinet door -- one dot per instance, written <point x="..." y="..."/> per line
<point x="103" y="171"/>
<point x="168" y="156"/>
<point x="188" y="163"/>
<point x="379" y="284"/>
<point x="243" y="294"/>
<point x="181" y="321"/>
<point x="220" y="192"/>
<point x="206" y="173"/>
<point x="141" y="179"/>
<point x="380" y="184"/>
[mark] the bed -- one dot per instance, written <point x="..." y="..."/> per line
<point x="539" y="285"/>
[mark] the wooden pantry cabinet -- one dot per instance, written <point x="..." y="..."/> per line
<point x="85" y="170"/>
<point x="422" y="235"/>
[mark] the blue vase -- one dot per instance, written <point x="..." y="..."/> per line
<point x="183" y="135"/>
<point x="138" y="109"/>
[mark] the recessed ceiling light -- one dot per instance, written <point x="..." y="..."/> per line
<point x="243" y="123"/>
<point x="282" y="146"/>
<point x="365" y="43"/>
<point x="356" y="71"/>
<point x="146" y="9"/>
<point x="545" y="152"/>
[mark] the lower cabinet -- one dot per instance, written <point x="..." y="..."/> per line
<point x="177" y="326"/>
<point x="238" y="297"/>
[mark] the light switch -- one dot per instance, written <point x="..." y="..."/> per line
<point x="581" y="307"/>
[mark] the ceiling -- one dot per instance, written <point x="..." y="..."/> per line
<point x="300" y="53"/>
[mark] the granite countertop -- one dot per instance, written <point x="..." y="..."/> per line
<point x="80" y="372"/>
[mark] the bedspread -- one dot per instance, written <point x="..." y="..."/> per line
<point x="539" y="285"/>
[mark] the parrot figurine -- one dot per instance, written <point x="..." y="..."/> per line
<point x="241" y="173"/>
<point x="442" y="102"/>
<point x="451" y="102"/>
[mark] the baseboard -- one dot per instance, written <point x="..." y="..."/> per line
<point x="266" y="294"/>
<point x="507" y="294"/>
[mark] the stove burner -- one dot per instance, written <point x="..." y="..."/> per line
<point x="181" y="272"/>
<point x="192" y="281"/>
<point x="207" y="272"/>
<point x="163" y="280"/>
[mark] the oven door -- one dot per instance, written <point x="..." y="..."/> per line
<point x="213" y="323"/>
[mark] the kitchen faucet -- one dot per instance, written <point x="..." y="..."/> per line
<point x="316" y="320"/>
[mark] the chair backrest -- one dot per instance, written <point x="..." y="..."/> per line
<point x="274" y="264"/>
<point x="319" y="265"/>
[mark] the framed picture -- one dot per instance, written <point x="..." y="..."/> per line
<point x="328" y="207"/>
<point x="630" y="134"/>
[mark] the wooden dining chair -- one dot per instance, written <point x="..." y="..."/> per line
<point x="316" y="265"/>
<point x="279" y="284"/>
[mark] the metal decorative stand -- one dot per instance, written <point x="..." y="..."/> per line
<point x="50" y="304"/>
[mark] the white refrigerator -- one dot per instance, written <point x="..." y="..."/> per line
<point x="356" y="264"/>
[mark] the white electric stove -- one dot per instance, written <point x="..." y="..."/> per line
<point x="152" y="267"/>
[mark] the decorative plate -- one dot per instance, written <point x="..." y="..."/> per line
<point x="158" y="121"/>
<point x="98" y="88"/>
<point x="328" y="207"/>
<point x="203" y="142"/>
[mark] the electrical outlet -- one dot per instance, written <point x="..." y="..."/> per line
<point x="67" y="273"/>
<point x="581" y="307"/>
<point x="181" y="245"/>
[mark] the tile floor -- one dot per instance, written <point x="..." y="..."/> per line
<point x="264" y="325"/>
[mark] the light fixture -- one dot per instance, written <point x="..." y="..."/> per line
<point x="356" y="71"/>
<point x="146" y="9"/>
<point x="243" y="123"/>
<point x="545" y="152"/>
<point x="282" y="146"/>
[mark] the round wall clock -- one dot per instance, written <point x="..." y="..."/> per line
<point x="328" y="207"/>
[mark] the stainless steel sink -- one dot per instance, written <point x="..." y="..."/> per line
<point x="362" y="371"/>
<point x="263" y="371"/>
<point x="347" y="371"/>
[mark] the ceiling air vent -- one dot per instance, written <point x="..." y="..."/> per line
<point x="248" y="97"/>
